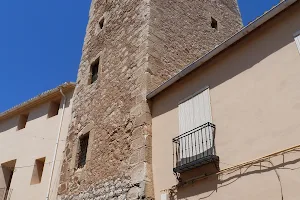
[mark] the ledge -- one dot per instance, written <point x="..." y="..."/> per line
<point x="198" y="163"/>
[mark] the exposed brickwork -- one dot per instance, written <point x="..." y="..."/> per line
<point x="142" y="43"/>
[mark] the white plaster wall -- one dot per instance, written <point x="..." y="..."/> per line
<point x="35" y="141"/>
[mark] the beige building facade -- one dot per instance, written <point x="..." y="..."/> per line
<point x="227" y="126"/>
<point x="130" y="48"/>
<point x="32" y="140"/>
<point x="224" y="127"/>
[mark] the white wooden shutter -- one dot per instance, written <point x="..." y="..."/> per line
<point x="297" y="39"/>
<point x="193" y="113"/>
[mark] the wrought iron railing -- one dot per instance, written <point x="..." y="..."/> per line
<point x="5" y="193"/>
<point x="194" y="148"/>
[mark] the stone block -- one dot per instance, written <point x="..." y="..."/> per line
<point x="133" y="193"/>
<point x="134" y="158"/>
<point x="137" y="173"/>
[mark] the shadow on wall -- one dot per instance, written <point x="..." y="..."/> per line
<point x="8" y="124"/>
<point x="242" y="56"/>
<point x="210" y="186"/>
<point x="214" y="184"/>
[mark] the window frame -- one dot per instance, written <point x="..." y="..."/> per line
<point x="38" y="171"/>
<point x="54" y="107"/>
<point x="191" y="97"/>
<point x="297" y="40"/>
<point x="22" y="121"/>
<point x="214" y="23"/>
<point x="82" y="155"/>
<point x="101" y="23"/>
<point x="94" y="74"/>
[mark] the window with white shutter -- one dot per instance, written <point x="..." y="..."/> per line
<point x="193" y="113"/>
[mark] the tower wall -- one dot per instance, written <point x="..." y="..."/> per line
<point x="141" y="44"/>
<point x="180" y="32"/>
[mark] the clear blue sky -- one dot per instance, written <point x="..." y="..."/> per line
<point x="41" y="43"/>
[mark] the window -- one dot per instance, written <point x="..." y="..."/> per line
<point x="94" y="71"/>
<point x="38" y="171"/>
<point x="22" y="121"/>
<point x="7" y="171"/>
<point x="195" y="146"/>
<point x="195" y="112"/>
<point x="83" y="147"/>
<point x="297" y="39"/>
<point x="101" y="23"/>
<point x="53" y="108"/>
<point x="214" y="23"/>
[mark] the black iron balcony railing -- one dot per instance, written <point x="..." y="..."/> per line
<point x="195" y="148"/>
<point x="5" y="193"/>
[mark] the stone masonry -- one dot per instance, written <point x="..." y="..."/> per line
<point x="140" y="44"/>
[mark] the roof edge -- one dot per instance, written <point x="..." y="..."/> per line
<point x="223" y="46"/>
<point x="41" y="98"/>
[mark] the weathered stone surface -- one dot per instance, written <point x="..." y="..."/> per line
<point x="133" y="193"/>
<point x="142" y="44"/>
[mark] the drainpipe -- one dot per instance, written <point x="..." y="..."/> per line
<point x="57" y="143"/>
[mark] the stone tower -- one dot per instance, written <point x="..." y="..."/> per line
<point x="131" y="47"/>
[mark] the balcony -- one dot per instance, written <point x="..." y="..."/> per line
<point x="195" y="148"/>
<point x="5" y="193"/>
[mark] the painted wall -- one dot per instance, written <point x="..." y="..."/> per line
<point x="255" y="98"/>
<point x="35" y="141"/>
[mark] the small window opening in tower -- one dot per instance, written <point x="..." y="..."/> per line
<point x="94" y="71"/>
<point x="101" y="23"/>
<point x="214" y="23"/>
<point x="83" y="148"/>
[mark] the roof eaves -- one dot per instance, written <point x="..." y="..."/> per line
<point x="68" y="86"/>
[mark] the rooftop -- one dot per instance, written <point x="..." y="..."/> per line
<point x="39" y="99"/>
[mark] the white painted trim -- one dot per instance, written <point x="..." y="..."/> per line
<point x="210" y="107"/>
<point x="297" y="33"/>
<point x="297" y="40"/>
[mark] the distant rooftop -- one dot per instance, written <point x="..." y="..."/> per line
<point x="39" y="99"/>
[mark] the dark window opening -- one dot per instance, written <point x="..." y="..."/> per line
<point x="7" y="170"/>
<point x="83" y="147"/>
<point x="38" y="171"/>
<point x="94" y="71"/>
<point x="54" y="108"/>
<point x="101" y="23"/>
<point x="214" y="23"/>
<point x="22" y="121"/>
